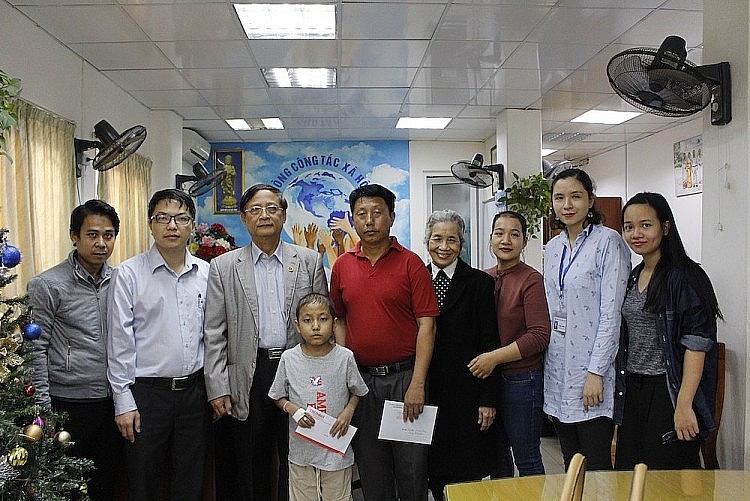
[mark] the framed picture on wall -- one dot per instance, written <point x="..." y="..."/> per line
<point x="227" y="194"/>
<point x="688" y="166"/>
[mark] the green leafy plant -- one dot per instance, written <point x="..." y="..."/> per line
<point x="10" y="88"/>
<point x="530" y="197"/>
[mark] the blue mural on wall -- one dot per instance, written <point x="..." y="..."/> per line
<point x="316" y="179"/>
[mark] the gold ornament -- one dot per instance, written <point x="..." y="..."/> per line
<point x="62" y="438"/>
<point x="84" y="488"/>
<point x="18" y="456"/>
<point x="33" y="433"/>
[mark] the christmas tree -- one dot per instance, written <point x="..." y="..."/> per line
<point x="33" y="442"/>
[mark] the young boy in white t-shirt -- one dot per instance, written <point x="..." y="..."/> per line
<point x="324" y="376"/>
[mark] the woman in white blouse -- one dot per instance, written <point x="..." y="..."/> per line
<point x="585" y="273"/>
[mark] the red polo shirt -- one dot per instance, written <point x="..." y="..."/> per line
<point x="381" y="302"/>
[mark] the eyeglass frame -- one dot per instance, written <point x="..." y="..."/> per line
<point x="270" y="210"/>
<point x="155" y="219"/>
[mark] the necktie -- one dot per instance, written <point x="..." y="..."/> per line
<point x="441" y="282"/>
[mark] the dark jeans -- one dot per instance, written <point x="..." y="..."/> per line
<point x="260" y="438"/>
<point x="387" y="467"/>
<point x="174" y="433"/>
<point x="522" y="398"/>
<point x="648" y="415"/>
<point x="94" y="433"/>
<point x="592" y="438"/>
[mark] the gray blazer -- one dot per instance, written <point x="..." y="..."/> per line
<point x="231" y="319"/>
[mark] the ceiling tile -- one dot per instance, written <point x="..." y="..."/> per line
<point x="86" y="23"/>
<point x="452" y="77"/>
<point x="468" y="54"/>
<point x="244" y="97"/>
<point x="122" y="56"/>
<point x="208" y="54"/>
<point x="294" y="53"/>
<point x="197" y="21"/>
<point x="224" y="78"/>
<point x="375" y="77"/>
<point x="167" y="99"/>
<point x="386" y="95"/>
<point x="389" y="20"/>
<point x="490" y="22"/>
<point x="388" y="53"/>
<point x="148" y="79"/>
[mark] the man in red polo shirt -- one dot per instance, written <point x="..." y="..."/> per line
<point x="385" y="308"/>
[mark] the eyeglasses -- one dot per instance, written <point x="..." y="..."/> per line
<point x="255" y="210"/>
<point x="179" y="219"/>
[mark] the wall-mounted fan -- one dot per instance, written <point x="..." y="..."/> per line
<point x="476" y="174"/>
<point x="663" y="82"/>
<point x="203" y="181"/>
<point x="550" y="170"/>
<point x="112" y="146"/>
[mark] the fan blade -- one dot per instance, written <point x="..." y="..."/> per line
<point x="204" y="184"/>
<point x="660" y="89"/>
<point x="121" y="148"/>
<point x="469" y="174"/>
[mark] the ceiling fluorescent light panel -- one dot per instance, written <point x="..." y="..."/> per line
<point x="287" y="21"/>
<point x="605" y="117"/>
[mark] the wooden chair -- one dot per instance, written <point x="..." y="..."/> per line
<point x="573" y="486"/>
<point x="708" y="447"/>
<point x="638" y="483"/>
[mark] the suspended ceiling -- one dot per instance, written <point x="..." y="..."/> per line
<point x="464" y="59"/>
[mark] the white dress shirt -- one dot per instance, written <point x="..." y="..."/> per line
<point x="155" y="322"/>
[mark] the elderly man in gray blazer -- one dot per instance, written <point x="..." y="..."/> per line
<point x="249" y="321"/>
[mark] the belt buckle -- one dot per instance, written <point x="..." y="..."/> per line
<point x="275" y="353"/>
<point x="380" y="370"/>
<point x="176" y="381"/>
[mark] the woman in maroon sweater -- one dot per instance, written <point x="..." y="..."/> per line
<point x="524" y="325"/>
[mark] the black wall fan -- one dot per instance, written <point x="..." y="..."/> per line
<point x="550" y="170"/>
<point x="203" y="181"/>
<point x="476" y="174"/>
<point x="113" y="147"/>
<point x="663" y="82"/>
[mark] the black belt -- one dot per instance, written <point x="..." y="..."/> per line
<point x="384" y="370"/>
<point x="172" y="383"/>
<point x="271" y="353"/>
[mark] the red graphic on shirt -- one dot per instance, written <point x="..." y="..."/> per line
<point x="320" y="402"/>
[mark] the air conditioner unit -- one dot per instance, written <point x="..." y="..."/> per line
<point x="195" y="149"/>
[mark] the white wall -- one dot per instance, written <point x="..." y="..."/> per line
<point x="646" y="165"/>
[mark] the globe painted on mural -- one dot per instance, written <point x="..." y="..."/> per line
<point x="315" y="197"/>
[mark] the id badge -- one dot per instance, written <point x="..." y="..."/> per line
<point x="558" y="322"/>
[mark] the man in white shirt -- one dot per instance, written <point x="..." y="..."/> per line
<point x="155" y="355"/>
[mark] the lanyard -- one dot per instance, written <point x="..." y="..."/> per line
<point x="561" y="273"/>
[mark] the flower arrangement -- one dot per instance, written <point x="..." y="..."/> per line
<point x="210" y="240"/>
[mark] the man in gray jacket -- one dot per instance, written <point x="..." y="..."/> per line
<point x="69" y="302"/>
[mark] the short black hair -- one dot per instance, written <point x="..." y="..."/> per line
<point x="172" y="194"/>
<point x="315" y="298"/>
<point x="373" y="190"/>
<point x="96" y="207"/>
<point x="254" y="189"/>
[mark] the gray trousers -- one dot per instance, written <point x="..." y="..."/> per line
<point x="388" y="470"/>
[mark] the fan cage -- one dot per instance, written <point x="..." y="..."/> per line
<point x="662" y="91"/>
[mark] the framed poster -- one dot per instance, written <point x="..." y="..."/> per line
<point x="688" y="166"/>
<point x="228" y="193"/>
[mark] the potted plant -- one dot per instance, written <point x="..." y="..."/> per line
<point x="9" y="90"/>
<point x="530" y="197"/>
